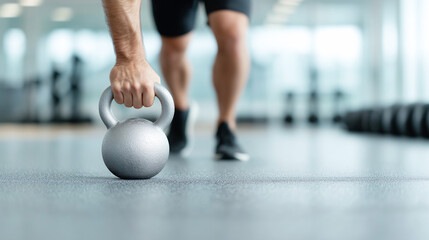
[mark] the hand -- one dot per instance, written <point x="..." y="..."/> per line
<point x="133" y="83"/>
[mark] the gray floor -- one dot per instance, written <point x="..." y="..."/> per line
<point x="300" y="184"/>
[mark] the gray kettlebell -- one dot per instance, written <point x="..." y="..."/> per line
<point x="136" y="148"/>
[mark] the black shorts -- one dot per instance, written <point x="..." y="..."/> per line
<point x="177" y="17"/>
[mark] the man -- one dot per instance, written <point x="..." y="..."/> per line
<point x="132" y="78"/>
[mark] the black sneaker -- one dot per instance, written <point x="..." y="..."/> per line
<point x="179" y="136"/>
<point x="227" y="147"/>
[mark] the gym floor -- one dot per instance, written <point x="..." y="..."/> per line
<point x="301" y="183"/>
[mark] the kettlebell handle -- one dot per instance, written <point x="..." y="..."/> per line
<point x="161" y="92"/>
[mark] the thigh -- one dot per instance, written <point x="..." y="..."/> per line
<point x="229" y="27"/>
<point x="177" y="44"/>
<point x="174" y="17"/>
<point x="241" y="6"/>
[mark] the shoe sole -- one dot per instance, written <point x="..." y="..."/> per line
<point x="236" y="156"/>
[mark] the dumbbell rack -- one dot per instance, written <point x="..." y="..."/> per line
<point x="411" y="120"/>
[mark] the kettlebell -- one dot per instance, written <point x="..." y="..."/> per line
<point x="136" y="148"/>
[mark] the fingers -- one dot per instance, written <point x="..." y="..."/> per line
<point x="128" y="99"/>
<point x="117" y="94"/>
<point x="139" y="95"/>
<point x="136" y="96"/>
<point x="133" y="84"/>
<point x="148" y="94"/>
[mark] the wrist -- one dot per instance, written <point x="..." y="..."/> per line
<point x="130" y="52"/>
<point x="127" y="59"/>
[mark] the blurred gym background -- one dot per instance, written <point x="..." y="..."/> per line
<point x="312" y="60"/>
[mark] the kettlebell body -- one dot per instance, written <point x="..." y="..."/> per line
<point x="136" y="148"/>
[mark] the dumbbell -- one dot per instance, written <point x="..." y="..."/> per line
<point x="389" y="119"/>
<point x="313" y="117"/>
<point x="366" y="120"/>
<point x="426" y="118"/>
<point x="338" y="99"/>
<point x="376" y="120"/>
<point x="349" y="121"/>
<point x="353" y="120"/>
<point x="404" y="120"/>
<point x="288" y="119"/>
<point x="420" y="120"/>
<point x="290" y="108"/>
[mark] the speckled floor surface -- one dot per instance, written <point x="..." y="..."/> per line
<point x="300" y="184"/>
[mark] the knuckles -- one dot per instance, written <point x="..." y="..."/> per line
<point x="141" y="88"/>
<point x="126" y="88"/>
<point x="116" y="89"/>
<point x="135" y="87"/>
<point x="147" y="87"/>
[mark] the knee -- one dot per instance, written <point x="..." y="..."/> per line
<point x="173" y="50"/>
<point x="231" y="38"/>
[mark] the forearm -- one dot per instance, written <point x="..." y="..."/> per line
<point x="123" y="17"/>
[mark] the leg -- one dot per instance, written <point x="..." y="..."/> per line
<point x="231" y="67"/>
<point x="175" y="21"/>
<point x="176" y="68"/>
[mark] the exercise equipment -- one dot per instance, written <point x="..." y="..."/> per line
<point x="56" y="95"/>
<point x="426" y="123"/>
<point x="338" y="100"/>
<point x="389" y="120"/>
<point x="365" y="121"/>
<point x="313" y="101"/>
<point x="67" y="93"/>
<point x="76" y="92"/>
<point x="31" y="88"/>
<point x="376" y="124"/>
<point x="410" y="120"/>
<point x="136" y="148"/>
<point x="350" y="121"/>
<point x="290" y="108"/>
<point x="353" y="121"/>
<point x="404" y="120"/>
<point x="313" y="115"/>
<point x="420" y="120"/>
